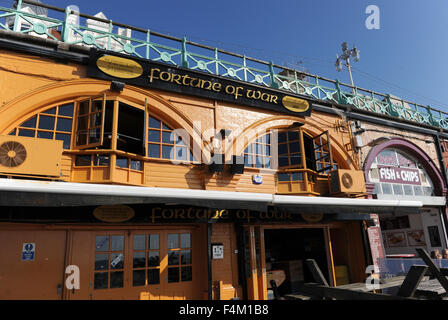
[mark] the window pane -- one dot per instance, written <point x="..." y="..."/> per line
<point x="418" y="190"/>
<point x="122" y="162"/>
<point x="173" y="274"/>
<point x="281" y="137"/>
<point x="26" y="133"/>
<point x="153" y="241"/>
<point x="102" y="243"/>
<point x="297" y="176"/>
<point x="66" y="110"/>
<point x="94" y="135"/>
<point x="65" y="138"/>
<point x="398" y="189"/>
<point x="153" y="151"/>
<point x="173" y="258"/>
<point x="267" y="162"/>
<point x="267" y="139"/>
<point x="168" y="137"/>
<point x="283" y="161"/>
<point x="82" y="161"/>
<point x="139" y="242"/>
<point x="154" y="136"/>
<point x="294" y="147"/>
<point x="84" y="107"/>
<point x="50" y="111"/>
<point x="167" y="152"/>
<point x="267" y="150"/>
<point x="117" y="243"/>
<point x="248" y="160"/>
<point x="293" y="135"/>
<point x="164" y="127"/>
<point x="101" y="261"/>
<point x="185" y="240"/>
<point x="153" y="259"/>
<point x="258" y="162"/>
<point x="81" y="138"/>
<point x="100" y="160"/>
<point x="97" y="106"/>
<point x="45" y="135"/>
<point x="64" y="125"/>
<point x="116" y="261"/>
<point x="153" y="276"/>
<point x="82" y="123"/>
<point x="408" y="190"/>
<point x="185" y="257"/>
<point x="296" y="159"/>
<point x="13" y="132"/>
<point x="46" y="122"/>
<point x="31" y="123"/>
<point x="283" y="177"/>
<point x="138" y="278"/>
<point x="116" y="279"/>
<point x="387" y="188"/>
<point x="181" y="153"/>
<point x="136" y="165"/>
<point x="153" y="123"/>
<point x="187" y="273"/>
<point x="139" y="260"/>
<point x="283" y="148"/>
<point x="100" y="281"/>
<point x="173" y="241"/>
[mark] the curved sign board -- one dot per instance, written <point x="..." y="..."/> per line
<point x="114" y="213"/>
<point x="119" y="67"/>
<point x="295" y="104"/>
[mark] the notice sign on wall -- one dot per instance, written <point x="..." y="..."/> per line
<point x="28" y="251"/>
<point x="399" y="175"/>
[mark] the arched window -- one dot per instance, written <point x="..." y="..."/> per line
<point x="164" y="143"/>
<point x="54" y="123"/>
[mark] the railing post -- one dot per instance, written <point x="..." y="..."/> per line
<point x="390" y="105"/>
<point x="245" y="69"/>
<point x="216" y="62"/>
<point x="431" y="117"/>
<point x="109" y="37"/>
<point x="16" y="19"/>
<point x="148" y="41"/>
<point x="184" y="57"/>
<point x="272" y="75"/>
<point x="338" y="91"/>
<point x="65" y="26"/>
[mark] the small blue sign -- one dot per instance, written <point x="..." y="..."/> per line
<point x="28" y="251"/>
<point x="257" y="179"/>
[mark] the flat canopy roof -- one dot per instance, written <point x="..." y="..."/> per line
<point x="32" y="193"/>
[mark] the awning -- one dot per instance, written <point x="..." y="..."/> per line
<point x="31" y="193"/>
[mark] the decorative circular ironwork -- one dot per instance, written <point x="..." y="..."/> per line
<point x="165" y="56"/>
<point x="231" y="72"/>
<point x="202" y="65"/>
<point x="88" y="39"/>
<point x="128" y="48"/>
<point x="347" y="180"/>
<point x="40" y="28"/>
<point x="12" y="154"/>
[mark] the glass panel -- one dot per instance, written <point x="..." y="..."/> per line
<point x="65" y="138"/>
<point x="181" y="153"/>
<point x="139" y="242"/>
<point x="387" y="188"/>
<point x="116" y="279"/>
<point x="173" y="258"/>
<point x="297" y="176"/>
<point x="154" y="136"/>
<point x="101" y="261"/>
<point x="418" y="190"/>
<point x="293" y="135"/>
<point x="84" y="107"/>
<point x="398" y="189"/>
<point x="117" y="243"/>
<point x="168" y="137"/>
<point x="97" y="106"/>
<point x="81" y="138"/>
<point x="248" y="160"/>
<point x="136" y="165"/>
<point x="45" y="135"/>
<point x="408" y="190"/>
<point x="267" y="150"/>
<point x="296" y="159"/>
<point x="139" y="260"/>
<point x="427" y="191"/>
<point x="153" y="150"/>
<point x="64" y="125"/>
<point x="94" y="135"/>
<point x="50" y="111"/>
<point x="258" y="162"/>
<point x="100" y="160"/>
<point x="167" y="152"/>
<point x="138" y="278"/>
<point x="31" y="123"/>
<point x="153" y="123"/>
<point x="173" y="241"/>
<point x="173" y="274"/>
<point x="164" y="127"/>
<point x="281" y="137"/>
<point x="122" y="162"/>
<point x="283" y="161"/>
<point x="13" y="132"/>
<point x="185" y="240"/>
<point x="153" y="276"/>
<point x="100" y="281"/>
<point x="153" y="259"/>
<point x="82" y="123"/>
<point x="102" y="243"/>
<point x="185" y="257"/>
<point x="187" y="273"/>
<point x="267" y="138"/>
<point x="249" y="149"/>
<point x="26" y="133"/>
<point x="153" y="241"/>
<point x="267" y="162"/>
<point x="66" y="110"/>
<point x="294" y="147"/>
<point x="82" y="161"/>
<point x="282" y="149"/>
<point x="283" y="177"/>
<point x="116" y="261"/>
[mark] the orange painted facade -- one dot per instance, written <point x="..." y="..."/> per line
<point x="43" y="98"/>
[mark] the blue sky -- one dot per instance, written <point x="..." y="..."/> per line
<point x="406" y="57"/>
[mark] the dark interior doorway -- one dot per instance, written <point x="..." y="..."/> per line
<point x="130" y="133"/>
<point x="287" y="250"/>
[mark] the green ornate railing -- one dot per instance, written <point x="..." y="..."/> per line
<point x="74" y="28"/>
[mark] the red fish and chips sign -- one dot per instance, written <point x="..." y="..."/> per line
<point x="399" y="175"/>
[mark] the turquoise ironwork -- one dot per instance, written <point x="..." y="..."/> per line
<point x="106" y="34"/>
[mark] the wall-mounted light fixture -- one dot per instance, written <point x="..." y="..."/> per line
<point x="116" y="86"/>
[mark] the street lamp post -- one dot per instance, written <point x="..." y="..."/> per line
<point x="346" y="53"/>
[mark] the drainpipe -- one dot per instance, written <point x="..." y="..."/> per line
<point x="209" y="261"/>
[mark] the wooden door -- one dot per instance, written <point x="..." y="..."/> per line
<point x="255" y="263"/>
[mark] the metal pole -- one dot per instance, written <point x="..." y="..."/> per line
<point x="349" y="68"/>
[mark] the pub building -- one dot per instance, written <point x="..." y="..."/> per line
<point x="161" y="182"/>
